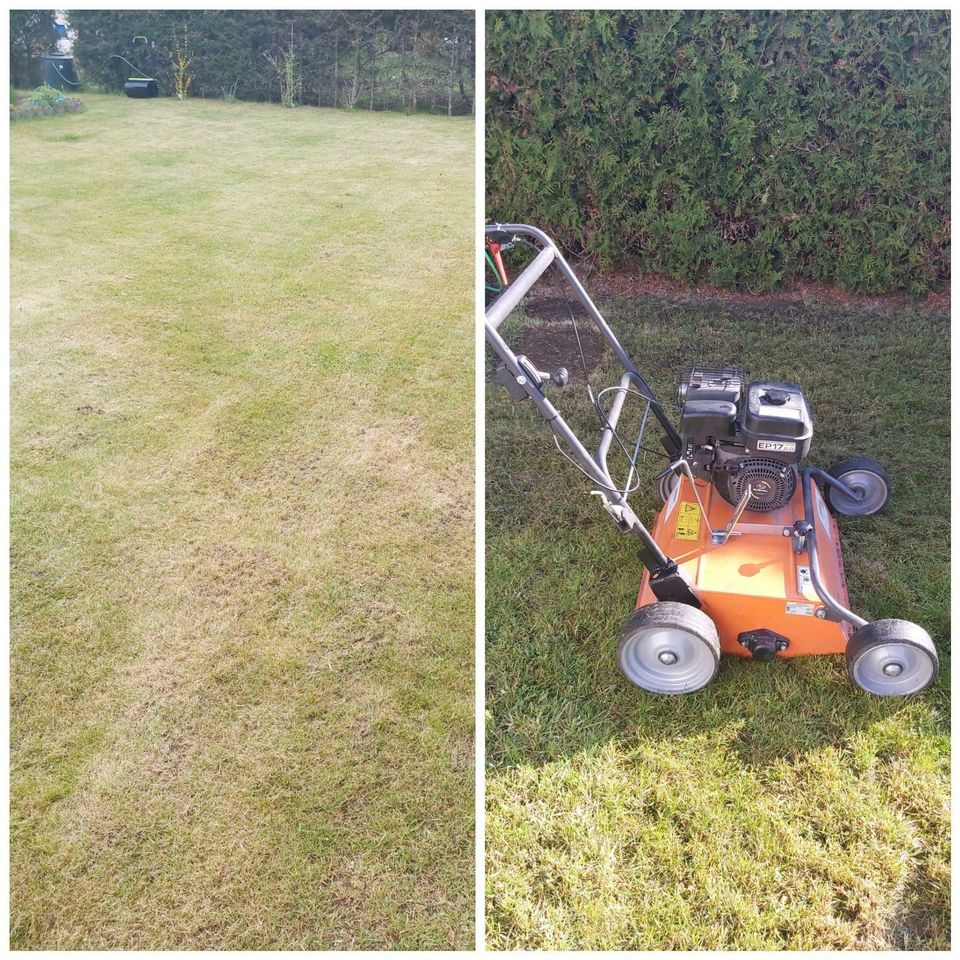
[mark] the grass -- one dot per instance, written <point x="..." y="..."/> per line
<point x="780" y="808"/>
<point x="242" y="527"/>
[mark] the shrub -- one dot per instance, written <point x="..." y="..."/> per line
<point x="740" y="148"/>
<point x="182" y="61"/>
<point x="376" y="59"/>
<point x="45" y="96"/>
<point x="287" y="71"/>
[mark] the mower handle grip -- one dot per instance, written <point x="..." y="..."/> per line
<point x="501" y="308"/>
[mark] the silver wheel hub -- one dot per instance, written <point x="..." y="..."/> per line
<point x="870" y="490"/>
<point x="893" y="669"/>
<point x="667" y="660"/>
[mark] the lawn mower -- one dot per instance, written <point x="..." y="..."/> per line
<point x="744" y="556"/>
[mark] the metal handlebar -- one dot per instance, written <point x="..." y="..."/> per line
<point x="826" y="598"/>
<point x="508" y="300"/>
<point x="519" y="369"/>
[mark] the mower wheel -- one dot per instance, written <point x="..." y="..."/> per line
<point x="867" y="478"/>
<point x="666" y="485"/>
<point x="669" y="648"/>
<point x="892" y="658"/>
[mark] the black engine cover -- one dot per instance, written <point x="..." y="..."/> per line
<point x="710" y="398"/>
<point x="776" y="422"/>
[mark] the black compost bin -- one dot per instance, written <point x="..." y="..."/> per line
<point x="140" y="88"/>
<point x="59" y="72"/>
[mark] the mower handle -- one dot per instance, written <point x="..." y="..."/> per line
<point x="502" y="237"/>
<point x="594" y="466"/>
<point x="496" y="313"/>
<point x="807" y="476"/>
<point x="549" y="254"/>
<point x="501" y="308"/>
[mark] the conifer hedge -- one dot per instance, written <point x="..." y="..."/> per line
<point x="740" y="148"/>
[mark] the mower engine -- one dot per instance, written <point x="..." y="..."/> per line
<point x="737" y="437"/>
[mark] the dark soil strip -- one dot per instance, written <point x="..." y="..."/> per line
<point x="554" y="344"/>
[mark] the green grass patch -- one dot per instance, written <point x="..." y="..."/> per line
<point x="242" y="528"/>
<point x="779" y="808"/>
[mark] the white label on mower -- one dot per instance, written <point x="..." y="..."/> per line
<point x="824" y="515"/>
<point x="804" y="583"/>
<point x="801" y="609"/>
<point x="780" y="446"/>
<point x="674" y="497"/>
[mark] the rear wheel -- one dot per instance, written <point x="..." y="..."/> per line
<point x="667" y="484"/>
<point x="669" y="648"/>
<point x="867" y="479"/>
<point x="892" y="658"/>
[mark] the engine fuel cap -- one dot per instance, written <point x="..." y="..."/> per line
<point x="776" y="397"/>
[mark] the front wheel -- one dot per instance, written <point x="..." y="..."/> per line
<point x="867" y="479"/>
<point x="892" y="658"/>
<point x="669" y="648"/>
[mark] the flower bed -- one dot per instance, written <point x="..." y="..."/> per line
<point x="32" y="106"/>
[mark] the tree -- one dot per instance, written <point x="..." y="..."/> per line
<point x="380" y="60"/>
<point x="31" y="36"/>
<point x="287" y="70"/>
<point x="182" y="59"/>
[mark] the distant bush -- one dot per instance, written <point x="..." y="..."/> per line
<point x="230" y="92"/>
<point x="740" y="148"/>
<point x="45" y="96"/>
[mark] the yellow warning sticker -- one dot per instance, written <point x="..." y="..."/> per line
<point x="688" y="521"/>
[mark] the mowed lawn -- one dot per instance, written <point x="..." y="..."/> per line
<point x="242" y="528"/>
<point x="780" y="807"/>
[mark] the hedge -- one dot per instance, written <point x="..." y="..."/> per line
<point x="364" y="59"/>
<point x="739" y="148"/>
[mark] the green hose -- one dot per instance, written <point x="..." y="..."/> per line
<point x="135" y="69"/>
<point x="63" y="78"/>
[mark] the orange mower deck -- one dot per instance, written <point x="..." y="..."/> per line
<point x="755" y="580"/>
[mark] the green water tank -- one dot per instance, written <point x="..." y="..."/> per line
<point x="59" y="72"/>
